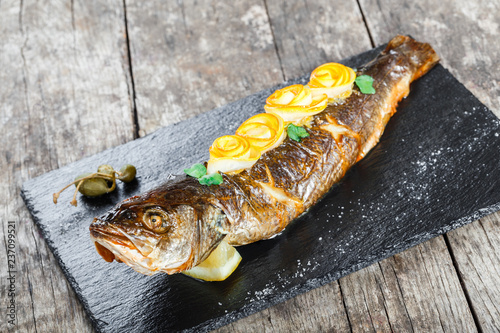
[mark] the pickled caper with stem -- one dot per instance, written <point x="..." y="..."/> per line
<point x="107" y="170"/>
<point x="92" y="187"/>
<point x="127" y="173"/>
<point x="98" y="183"/>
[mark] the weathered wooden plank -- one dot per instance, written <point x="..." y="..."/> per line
<point x="465" y="34"/>
<point x="310" y="33"/>
<point x="189" y="57"/>
<point x="476" y="249"/>
<point x="11" y="78"/>
<point x="416" y="290"/>
<point x="374" y="302"/>
<point x="439" y="286"/>
<point x="64" y="95"/>
<point x="45" y="153"/>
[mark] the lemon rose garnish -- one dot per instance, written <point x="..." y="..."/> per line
<point x="295" y="103"/>
<point x="263" y="131"/>
<point x="231" y="154"/>
<point x="334" y="80"/>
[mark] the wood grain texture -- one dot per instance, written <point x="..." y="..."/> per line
<point x="476" y="249"/>
<point x="189" y="56"/>
<point x="465" y="35"/>
<point x="64" y="95"/>
<point x="414" y="291"/>
<point x="310" y="33"/>
<point x="374" y="301"/>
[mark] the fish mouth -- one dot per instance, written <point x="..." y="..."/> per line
<point x="108" y="239"/>
<point x="114" y="244"/>
<point x="110" y="234"/>
<point x="141" y="252"/>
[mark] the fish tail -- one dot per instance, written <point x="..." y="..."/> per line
<point x="421" y="55"/>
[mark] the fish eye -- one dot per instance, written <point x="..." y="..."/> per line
<point x="156" y="220"/>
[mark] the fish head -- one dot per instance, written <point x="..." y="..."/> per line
<point x="151" y="234"/>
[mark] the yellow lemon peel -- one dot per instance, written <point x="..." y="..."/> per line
<point x="231" y="154"/>
<point x="334" y="80"/>
<point x="263" y="131"/>
<point x="294" y="103"/>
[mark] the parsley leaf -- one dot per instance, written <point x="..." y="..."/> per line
<point x="296" y="132"/>
<point x="365" y="84"/>
<point x="213" y="179"/>
<point x="197" y="170"/>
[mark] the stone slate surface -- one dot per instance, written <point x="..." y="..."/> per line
<point x="436" y="168"/>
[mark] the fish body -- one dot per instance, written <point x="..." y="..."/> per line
<point x="177" y="225"/>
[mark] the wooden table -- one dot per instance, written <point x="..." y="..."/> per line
<point x="77" y="77"/>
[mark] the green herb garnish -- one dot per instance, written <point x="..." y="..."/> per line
<point x="198" y="170"/>
<point x="365" y="84"/>
<point x="296" y="132"/>
<point x="213" y="179"/>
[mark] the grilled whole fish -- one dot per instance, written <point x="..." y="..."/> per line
<point x="177" y="225"/>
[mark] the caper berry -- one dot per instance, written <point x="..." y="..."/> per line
<point x="92" y="187"/>
<point x="83" y="175"/>
<point x="107" y="169"/>
<point x="98" y="183"/>
<point x="128" y="173"/>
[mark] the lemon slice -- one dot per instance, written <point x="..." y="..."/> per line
<point x="218" y="266"/>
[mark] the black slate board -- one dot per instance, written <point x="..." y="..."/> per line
<point x="436" y="168"/>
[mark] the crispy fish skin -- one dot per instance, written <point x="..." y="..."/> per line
<point x="339" y="136"/>
<point x="260" y="202"/>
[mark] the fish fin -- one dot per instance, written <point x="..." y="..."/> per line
<point x="420" y="55"/>
<point x="269" y="176"/>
